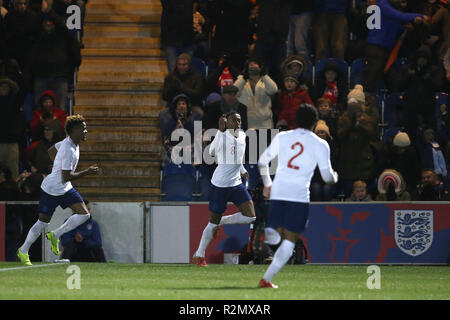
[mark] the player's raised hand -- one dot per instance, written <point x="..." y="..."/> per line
<point x="94" y="169"/>
<point x="223" y="123"/>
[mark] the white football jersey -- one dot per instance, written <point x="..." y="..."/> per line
<point x="299" y="151"/>
<point x="66" y="159"/>
<point x="229" y="152"/>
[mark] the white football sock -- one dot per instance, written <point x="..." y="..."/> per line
<point x="237" y="218"/>
<point x="281" y="257"/>
<point x="33" y="234"/>
<point x="74" y="221"/>
<point x="206" y="239"/>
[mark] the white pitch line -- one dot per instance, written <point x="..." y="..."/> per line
<point x="30" y="267"/>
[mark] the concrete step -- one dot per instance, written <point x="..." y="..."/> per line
<point x="121" y="53"/>
<point x="123" y="121"/>
<point x="124" y="8"/>
<point x="119" y="194"/>
<point x="128" y="157"/>
<point x="126" y="134"/>
<point x="118" y="99"/>
<point x="121" y="43"/>
<point x="123" y="65"/>
<point x="130" y="111"/>
<point x="121" y="146"/>
<point x="94" y="84"/>
<point x="154" y="18"/>
<point x="123" y="168"/>
<point x="122" y="30"/>
<point x="119" y="182"/>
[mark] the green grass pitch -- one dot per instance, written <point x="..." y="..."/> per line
<point x="221" y="282"/>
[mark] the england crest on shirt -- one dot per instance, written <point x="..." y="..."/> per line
<point x="413" y="230"/>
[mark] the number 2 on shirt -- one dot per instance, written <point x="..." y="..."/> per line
<point x="295" y="156"/>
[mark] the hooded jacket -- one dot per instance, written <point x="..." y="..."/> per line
<point x="55" y="54"/>
<point x="37" y="118"/>
<point x="169" y="123"/>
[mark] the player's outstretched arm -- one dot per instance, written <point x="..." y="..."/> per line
<point x="52" y="152"/>
<point x="67" y="175"/>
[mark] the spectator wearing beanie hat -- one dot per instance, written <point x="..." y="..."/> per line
<point x="357" y="93"/>
<point x="319" y="190"/>
<point x="289" y="98"/>
<point x="403" y="157"/>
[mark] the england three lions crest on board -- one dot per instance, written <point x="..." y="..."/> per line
<point x="413" y="230"/>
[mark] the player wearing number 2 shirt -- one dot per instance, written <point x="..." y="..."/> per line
<point x="299" y="151"/>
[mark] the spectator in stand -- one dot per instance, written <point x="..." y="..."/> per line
<point x="29" y="186"/>
<point x="37" y="153"/>
<point x="356" y="130"/>
<point x="430" y="188"/>
<point x="297" y="65"/>
<point x="256" y="90"/>
<point x="230" y="29"/>
<point x="185" y="80"/>
<point x="431" y="154"/>
<point x="8" y="186"/>
<point x="439" y="38"/>
<point x="420" y="80"/>
<point x="201" y="46"/>
<point x="447" y="69"/>
<point x="299" y="23"/>
<point x="380" y="43"/>
<point x="357" y="24"/>
<point x="392" y="187"/>
<point x="48" y="114"/>
<point x="403" y="157"/>
<point x="3" y="11"/>
<point x="54" y="59"/>
<point x="328" y="114"/>
<point x="84" y="243"/>
<point x="227" y="103"/>
<point x="225" y="74"/>
<point x="12" y="125"/>
<point x="61" y="6"/>
<point x="359" y="193"/>
<point x="178" y="115"/>
<point x="177" y="33"/>
<point x="289" y="98"/>
<point x="330" y="29"/>
<point x="332" y="84"/>
<point x="22" y="32"/>
<point x="272" y="32"/>
<point x="319" y="190"/>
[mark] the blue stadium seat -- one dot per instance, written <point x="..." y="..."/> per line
<point x="357" y="70"/>
<point x="178" y="182"/>
<point x="441" y="98"/>
<point x="204" y="182"/>
<point x="199" y="65"/>
<point x="389" y="134"/>
<point x="391" y="104"/>
<point x="320" y="65"/>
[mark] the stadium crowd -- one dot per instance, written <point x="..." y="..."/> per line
<point x="382" y="93"/>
